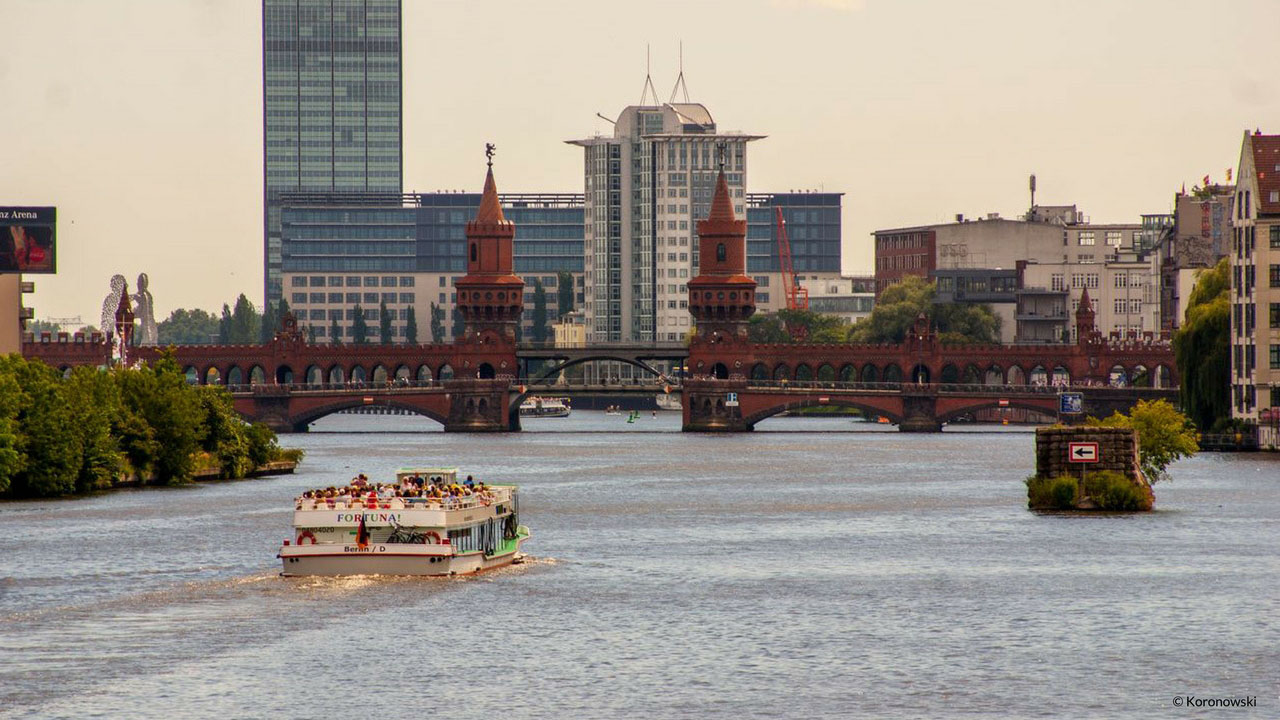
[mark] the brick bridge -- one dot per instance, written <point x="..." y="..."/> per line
<point x="474" y="384"/>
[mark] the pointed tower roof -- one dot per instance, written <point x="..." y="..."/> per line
<point x="1085" y="305"/>
<point x="722" y="203"/>
<point x="490" y="210"/>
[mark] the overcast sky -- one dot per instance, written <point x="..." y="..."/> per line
<point x="141" y="120"/>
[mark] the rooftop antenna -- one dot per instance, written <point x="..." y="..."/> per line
<point x="649" y="90"/>
<point x="680" y="83"/>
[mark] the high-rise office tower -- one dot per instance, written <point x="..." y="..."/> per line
<point x="332" y="105"/>
<point x="645" y="188"/>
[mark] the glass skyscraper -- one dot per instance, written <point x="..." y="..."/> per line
<point x="332" y="105"/>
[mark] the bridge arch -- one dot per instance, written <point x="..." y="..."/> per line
<point x="781" y="372"/>
<point x="235" y="376"/>
<point x="920" y="373"/>
<point x="1061" y="376"/>
<point x="445" y="372"/>
<point x="192" y="375"/>
<point x="804" y="372"/>
<point x="1164" y="378"/>
<point x="358" y="375"/>
<point x="315" y="376"/>
<point x="848" y="373"/>
<point x="212" y="376"/>
<point x="756" y="417"/>
<point x="1038" y="376"/>
<point x="379" y="375"/>
<point x="759" y="371"/>
<point x="1015" y="376"/>
<point x="972" y="375"/>
<point x="720" y="371"/>
<point x="555" y="369"/>
<point x="1047" y="405"/>
<point x="404" y="374"/>
<point x="869" y="373"/>
<point x="892" y="373"/>
<point x="486" y="372"/>
<point x="284" y="375"/>
<point x="337" y="375"/>
<point x="424" y="374"/>
<point x="307" y="417"/>
<point x="949" y="375"/>
<point x="1118" y="376"/>
<point x="257" y="376"/>
<point x="1141" y="377"/>
<point x="994" y="375"/>
<point x="826" y="373"/>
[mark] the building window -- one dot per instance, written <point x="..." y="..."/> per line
<point x="335" y="297"/>
<point x="720" y="252"/>
<point x="1275" y="237"/>
<point x="317" y="298"/>
<point x="1135" y="307"/>
<point x="371" y="298"/>
<point x="1122" y="280"/>
<point x="1114" y="238"/>
<point x="299" y="298"/>
<point x="1118" y="306"/>
<point x="406" y="281"/>
<point x="1274" y="196"/>
<point x="406" y="298"/>
<point x="1057" y="282"/>
<point x="300" y="281"/>
<point x="1275" y="275"/>
<point x="1091" y="280"/>
<point x="1275" y="315"/>
<point x="1085" y="238"/>
<point x="1275" y="357"/>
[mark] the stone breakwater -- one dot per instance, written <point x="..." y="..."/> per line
<point x="1117" y="452"/>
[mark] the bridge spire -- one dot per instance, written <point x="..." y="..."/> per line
<point x="1085" y="328"/>
<point x="490" y="296"/>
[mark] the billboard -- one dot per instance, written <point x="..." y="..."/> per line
<point x="28" y="240"/>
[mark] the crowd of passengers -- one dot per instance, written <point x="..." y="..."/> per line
<point x="410" y="489"/>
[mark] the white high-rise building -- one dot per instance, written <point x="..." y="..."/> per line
<point x="645" y="188"/>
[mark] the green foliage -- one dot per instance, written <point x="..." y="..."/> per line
<point x="262" y="444"/>
<point x="335" y="332"/>
<point x="1164" y="435"/>
<point x="900" y="304"/>
<point x="311" y="334"/>
<point x="1111" y="490"/>
<point x="188" y="327"/>
<point x="359" y="328"/>
<point x="459" y="323"/>
<point x="94" y="400"/>
<point x="267" y="324"/>
<point x="12" y="460"/>
<point x="384" y="324"/>
<point x="224" y="325"/>
<point x="35" y="327"/>
<point x="161" y="396"/>
<point x="246" y="323"/>
<point x="564" y="292"/>
<point x="226" y="437"/>
<point x="411" y="327"/>
<point x="540" y="328"/>
<point x="813" y="327"/>
<point x="45" y="434"/>
<point x="1055" y="493"/>
<point x="437" y="323"/>
<point x="1202" y="348"/>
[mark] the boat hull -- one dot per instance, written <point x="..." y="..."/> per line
<point x="391" y="559"/>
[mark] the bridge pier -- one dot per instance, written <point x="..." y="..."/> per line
<point x="478" y="405"/>
<point x="919" y="411"/>
<point x="708" y="406"/>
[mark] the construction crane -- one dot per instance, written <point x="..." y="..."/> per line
<point x="797" y="297"/>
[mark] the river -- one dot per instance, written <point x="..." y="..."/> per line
<point x="815" y="568"/>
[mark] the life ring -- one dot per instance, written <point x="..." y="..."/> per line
<point x="306" y="535"/>
<point x="432" y="537"/>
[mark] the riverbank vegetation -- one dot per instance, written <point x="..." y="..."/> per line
<point x="96" y="429"/>
<point x="1165" y="435"/>
<point x="1201" y="348"/>
<point x="1102" y="490"/>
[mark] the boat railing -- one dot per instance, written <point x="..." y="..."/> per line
<point x="464" y="502"/>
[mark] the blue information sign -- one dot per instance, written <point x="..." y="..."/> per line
<point x="1071" y="403"/>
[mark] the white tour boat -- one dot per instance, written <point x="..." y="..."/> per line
<point x="406" y="535"/>
<point x="534" y="406"/>
<point x="669" y="401"/>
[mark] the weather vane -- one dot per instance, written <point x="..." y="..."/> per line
<point x="720" y="150"/>
<point x="489" y="150"/>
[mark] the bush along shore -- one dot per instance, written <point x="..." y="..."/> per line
<point x="1133" y="452"/>
<point x="96" y="429"/>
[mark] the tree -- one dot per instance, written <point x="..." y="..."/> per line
<point x="335" y="331"/>
<point x="311" y="334"/>
<point x="776" y="327"/>
<point x="12" y="460"/>
<point x="1164" y="435"/>
<point x="225" y="439"/>
<point x="359" y="329"/>
<point x="539" y="312"/>
<point x="437" y="323"/>
<point x="161" y="396"/>
<point x="46" y="438"/>
<point x="900" y="304"/>
<point x="411" y="327"/>
<point x="267" y="325"/>
<point x="564" y="292"/>
<point x="94" y="399"/>
<point x="459" y="323"/>
<point x="224" y="325"/>
<point x="1202" y="348"/>
<point x="384" y="324"/>
<point x="36" y="327"/>
<point x="188" y="327"/>
<point x="246" y="323"/>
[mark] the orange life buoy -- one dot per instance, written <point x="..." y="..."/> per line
<point x="432" y="537"/>
<point x="306" y="535"/>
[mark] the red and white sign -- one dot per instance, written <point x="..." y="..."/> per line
<point x="1082" y="452"/>
<point x="1004" y="403"/>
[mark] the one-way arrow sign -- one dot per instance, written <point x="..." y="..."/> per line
<point x="1082" y="452"/>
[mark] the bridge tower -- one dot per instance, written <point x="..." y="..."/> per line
<point x="1086" y="332"/>
<point x="722" y="301"/>
<point x="721" y="296"/>
<point x="490" y="296"/>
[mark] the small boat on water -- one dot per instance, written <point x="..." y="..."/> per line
<point x="535" y="406"/>
<point x="435" y="527"/>
<point x="669" y="401"/>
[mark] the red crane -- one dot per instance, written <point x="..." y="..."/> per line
<point x="797" y="297"/>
